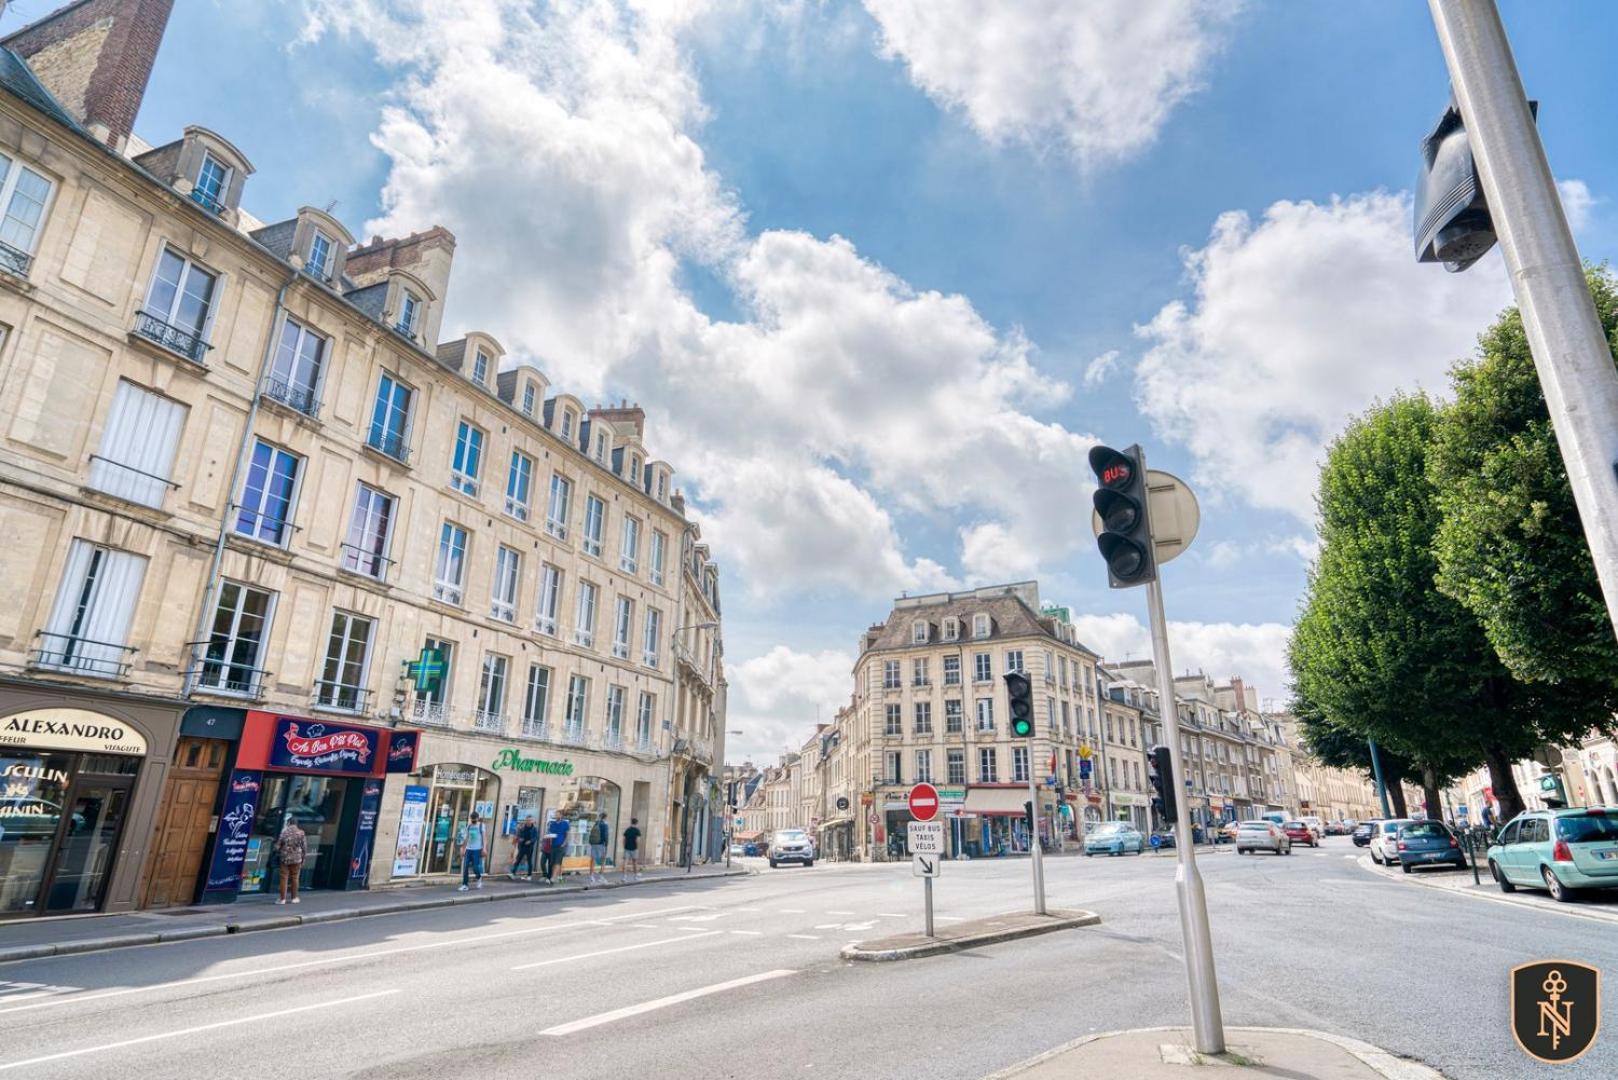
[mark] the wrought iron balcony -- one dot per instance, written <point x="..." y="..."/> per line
<point x="14" y="261"/>
<point x="536" y="729"/>
<point x="573" y="735"/>
<point x="217" y="674"/>
<point x="207" y="201"/>
<point x="362" y="561"/>
<point x="81" y="656"/>
<point x="391" y="443"/>
<point x="430" y="712"/>
<point x="341" y="696"/>
<point x="612" y="740"/>
<point x="300" y="398"/>
<point x="177" y="340"/>
<point x="483" y="720"/>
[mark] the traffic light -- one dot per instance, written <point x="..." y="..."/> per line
<point x="1125" y="538"/>
<point x="1160" y="774"/>
<point x="1020" y="691"/>
<point x="1453" y="224"/>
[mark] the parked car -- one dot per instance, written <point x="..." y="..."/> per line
<point x="1422" y="843"/>
<point x="1316" y="826"/>
<point x="1362" y="833"/>
<point x="1227" y="832"/>
<point x="791" y="845"/>
<point x="1114" y="838"/>
<point x="1265" y="835"/>
<point x="738" y="849"/>
<point x="1165" y="838"/>
<point x="1561" y="851"/>
<point x="1384" y="835"/>
<point x="1299" y="832"/>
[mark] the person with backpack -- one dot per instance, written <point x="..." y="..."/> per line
<point x="527" y="838"/>
<point x="632" y="850"/>
<point x="600" y="836"/>
<point x="556" y="848"/>
<point x="472" y="852"/>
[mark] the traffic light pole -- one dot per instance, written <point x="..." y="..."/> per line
<point x="1207" y="1025"/>
<point x="1571" y="354"/>
<point x="1033" y="837"/>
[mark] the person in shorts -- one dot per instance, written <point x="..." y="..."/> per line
<point x="632" y="850"/>
<point x="600" y="836"/>
<point x="472" y="853"/>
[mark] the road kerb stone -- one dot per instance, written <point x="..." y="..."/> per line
<point x="968" y="935"/>
<point x="121" y="941"/>
<point x="26" y="952"/>
<point x="191" y="933"/>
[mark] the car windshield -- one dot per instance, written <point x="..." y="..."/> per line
<point x="1255" y="826"/>
<point x="1107" y="830"/>
<point x="1391" y="826"/>
<point x="1295" y="825"/>
<point x="1586" y="828"/>
<point x="793" y="836"/>
<point x="1423" y="828"/>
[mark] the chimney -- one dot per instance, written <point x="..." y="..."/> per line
<point x="95" y="57"/>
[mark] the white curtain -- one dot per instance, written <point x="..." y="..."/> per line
<point x="100" y="587"/>
<point x="138" y="446"/>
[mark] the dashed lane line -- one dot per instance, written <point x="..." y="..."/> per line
<point x="627" y="1011"/>
<point x="609" y="952"/>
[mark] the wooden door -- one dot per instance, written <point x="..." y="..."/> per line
<point x="180" y="841"/>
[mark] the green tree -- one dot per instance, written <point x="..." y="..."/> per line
<point x="1377" y="648"/>
<point x="1339" y="748"/>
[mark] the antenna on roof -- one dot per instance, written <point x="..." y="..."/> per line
<point x="331" y="206"/>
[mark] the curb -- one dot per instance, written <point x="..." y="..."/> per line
<point x="1601" y="915"/>
<point x="247" y="925"/>
<point x="1384" y="1063"/>
<point x="1066" y="921"/>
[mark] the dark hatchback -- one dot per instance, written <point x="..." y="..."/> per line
<point x="1362" y="833"/>
<point x="1428" y="843"/>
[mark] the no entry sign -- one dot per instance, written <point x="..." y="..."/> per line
<point x="923" y="802"/>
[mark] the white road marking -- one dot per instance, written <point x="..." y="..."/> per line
<point x="749" y="933"/>
<point x="326" y="960"/>
<point x="664" y="1002"/>
<point x="950" y="918"/>
<point x="840" y="913"/>
<point x="698" y="918"/>
<point x="792" y="911"/>
<point x="609" y="952"/>
<point x="194" y="1030"/>
<point x="805" y="937"/>
<point x="890" y="915"/>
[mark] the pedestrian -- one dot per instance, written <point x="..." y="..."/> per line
<point x="527" y="837"/>
<point x="556" y="851"/>
<point x="632" y="850"/>
<point x="290" y="848"/>
<point x="472" y="853"/>
<point x="600" y="834"/>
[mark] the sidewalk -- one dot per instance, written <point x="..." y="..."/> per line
<point x="30" y="939"/>
<point x="969" y="935"/>
<point x="1601" y="906"/>
<point x="1166" y="1054"/>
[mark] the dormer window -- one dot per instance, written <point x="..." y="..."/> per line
<point x="320" y="249"/>
<point x="952" y="629"/>
<point x="980" y="625"/>
<point x="918" y="632"/>
<point x="528" y="399"/>
<point x="213" y="180"/>
<point x="601" y="447"/>
<point x="567" y="423"/>
<point x="634" y="469"/>
<point x="409" y="309"/>
<point x="662" y="486"/>
<point x="480" y="367"/>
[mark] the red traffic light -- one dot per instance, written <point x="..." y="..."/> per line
<point x="1113" y="470"/>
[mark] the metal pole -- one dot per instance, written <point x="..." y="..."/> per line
<point x="1207" y="1025"/>
<point x="1571" y="354"/>
<point x="1033" y="837"/>
<point x="928" y="892"/>
<point x="1381" y="785"/>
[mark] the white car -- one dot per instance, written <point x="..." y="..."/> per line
<point x="1316" y="826"/>
<point x="1385" y="840"/>
<point x="1265" y="835"/>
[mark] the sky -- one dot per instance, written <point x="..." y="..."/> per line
<point x="882" y="271"/>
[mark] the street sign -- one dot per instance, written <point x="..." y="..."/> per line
<point x="1172" y="510"/>
<point x="1084" y="768"/>
<point x="925" y="837"/>
<point x="1157" y="841"/>
<point x="923" y="802"/>
<point x="926" y="866"/>
<point x="842" y="802"/>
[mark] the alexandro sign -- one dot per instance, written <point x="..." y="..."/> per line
<point x="71" y="729"/>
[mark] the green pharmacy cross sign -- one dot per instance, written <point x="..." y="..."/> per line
<point x="427" y="671"/>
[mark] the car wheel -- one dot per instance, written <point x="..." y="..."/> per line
<point x="1087" y="854"/>
<point x="1500" y="877"/>
<point x="1408" y="868"/>
<point x="808" y="864"/>
<point x="1375" y="857"/>
<point x="774" y="865"/>
<point x="1559" y="892"/>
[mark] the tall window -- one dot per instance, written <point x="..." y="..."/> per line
<point x="320" y="249"/>
<point x="643" y="721"/>
<point x="213" y="180"/>
<point x="615" y="716"/>
<point x="23" y="193"/>
<point x="980" y="626"/>
<point x="650" y="637"/>
<point x="507" y="571"/>
<point x="952" y="629"/>
<point x="982" y="667"/>
<point x="295" y="375"/>
<point x="390" y="418"/>
<point x="918" y="632"/>
<point x="556" y="511"/>
<point x="567" y="424"/>
<point x="536" y="704"/>
<point x="409" y="309"/>
<point x="528" y="399"/>
<point x="517" y="483"/>
<point x="952" y="671"/>
<point x="178" y="304"/>
<point x="924" y="717"/>
<point x="348" y="654"/>
<point x="449" y="570"/>
<point x="660" y="544"/>
<point x="463" y="476"/>
<point x="137" y="446"/>
<point x="550" y="599"/>
<point x="892" y="767"/>
<point x="918" y="673"/>
<point x="985" y="714"/>
<point x="584" y="615"/>
<point x="955" y="766"/>
<point x="988" y="766"/>
<point x="595" y="516"/>
<point x="366" y="549"/>
<point x="492" y="693"/>
<point x="894" y="720"/>
<point x="267" y="495"/>
<point x="1019" y="764"/>
<point x="890" y="675"/>
<point x="235" y="647"/>
<point x="623" y="619"/>
<point x="578" y="706"/>
<point x="629" y="551"/>
<point x="480" y="367"/>
<point x="924" y="766"/>
<point x="952" y="716"/>
<point x="600" y="452"/>
<point x="1014" y="661"/>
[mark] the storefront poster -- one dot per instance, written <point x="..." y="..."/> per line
<point x="235" y="828"/>
<point x="402" y="747"/>
<point x="320" y="747"/>
<point x="365" y="830"/>
<point x="412" y="819"/>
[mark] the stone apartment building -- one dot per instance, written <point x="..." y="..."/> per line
<point x="273" y="548"/>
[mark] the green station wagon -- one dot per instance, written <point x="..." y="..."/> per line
<point x="1557" y="850"/>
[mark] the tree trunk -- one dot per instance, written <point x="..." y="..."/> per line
<point x="1396" y="794"/>
<point x="1503" y="783"/>
<point x="1429" y="792"/>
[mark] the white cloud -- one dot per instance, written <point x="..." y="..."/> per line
<point x="775" y="697"/>
<point x="1223" y="554"/>
<point x="1296" y="322"/>
<point x="1097" y="80"/>
<point x="557" y="144"/>
<point x="1576" y="202"/>
<point x="1100" y="369"/>
<point x="1256" y="652"/>
<point x="1303" y="547"/>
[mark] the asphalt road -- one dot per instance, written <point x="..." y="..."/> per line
<point x="740" y="977"/>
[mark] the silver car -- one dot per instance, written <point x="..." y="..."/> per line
<point x="792" y="845"/>
<point x="1262" y="835"/>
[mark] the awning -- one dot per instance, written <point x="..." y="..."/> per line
<point x="744" y="837"/>
<point x="995" y="802"/>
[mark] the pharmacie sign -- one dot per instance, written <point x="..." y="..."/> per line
<point x="511" y="758"/>
<point x="71" y="729"/>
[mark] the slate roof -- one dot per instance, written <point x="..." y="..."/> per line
<point x="17" y="77"/>
<point x="369" y="300"/>
<point x="277" y="238"/>
<point x="452" y="354"/>
<point x="1008" y="617"/>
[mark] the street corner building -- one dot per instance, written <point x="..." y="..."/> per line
<point x="274" y="551"/>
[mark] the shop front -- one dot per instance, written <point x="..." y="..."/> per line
<point x="78" y="781"/>
<point x="1133" y="808"/>
<point x="999" y="821"/>
<point x="328" y="777"/>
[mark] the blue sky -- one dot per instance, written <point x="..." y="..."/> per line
<point x="859" y="261"/>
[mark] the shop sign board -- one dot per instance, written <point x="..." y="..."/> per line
<point x="314" y="746"/>
<point x="412" y="821"/>
<point x="402" y="747"/>
<point x="365" y="830"/>
<point x="235" y="828"/>
<point x="511" y="758"/>
<point x="925" y="837"/>
<point x="71" y="729"/>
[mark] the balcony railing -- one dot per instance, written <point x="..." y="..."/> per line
<point x="341" y="696"/>
<point x="360" y="561"/>
<point x="447" y="592"/>
<point x="483" y="720"/>
<point x="300" y="398"/>
<point x="430" y="712"/>
<point x="612" y="740"/>
<point x="536" y="729"/>
<point x="207" y="201"/>
<point x="81" y="656"/>
<point x="14" y="261"/>
<point x="516" y="508"/>
<point x="182" y="342"/>
<point x="217" y="674"/>
<point x="573" y="735"/>
<point x="392" y="443"/>
<point x="644" y="745"/>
